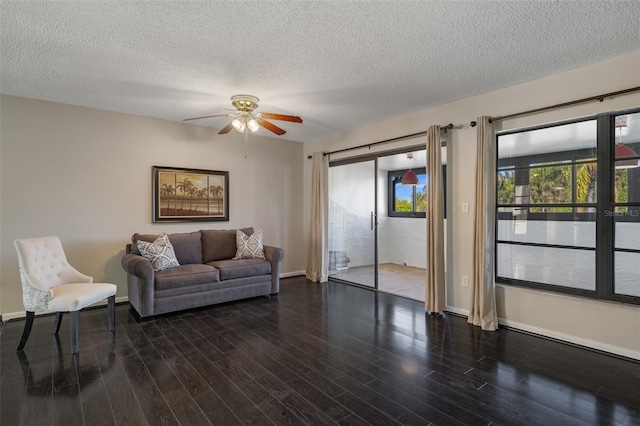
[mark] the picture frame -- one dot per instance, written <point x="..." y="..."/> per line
<point x="189" y="195"/>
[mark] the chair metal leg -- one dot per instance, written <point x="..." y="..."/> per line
<point x="56" y="326"/>
<point x="27" y="330"/>
<point x="75" y="331"/>
<point x="112" y="313"/>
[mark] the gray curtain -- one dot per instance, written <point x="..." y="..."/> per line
<point x="435" y="292"/>
<point x="318" y="251"/>
<point x="483" y="293"/>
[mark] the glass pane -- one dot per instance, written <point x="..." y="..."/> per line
<point x="351" y="237"/>
<point x="411" y="198"/>
<point x="576" y="141"/>
<point x="506" y="187"/>
<point x="627" y="228"/>
<point x="557" y="232"/>
<point x="621" y="189"/>
<point x="550" y="185"/>
<point x="402" y="257"/>
<point x="561" y="267"/>
<point x="627" y="273"/>
<point x="627" y="145"/>
<point x="555" y="166"/>
<point x="627" y="218"/>
<point x="586" y="186"/>
<point x="421" y="193"/>
<point x="627" y="185"/>
<point x="403" y="198"/>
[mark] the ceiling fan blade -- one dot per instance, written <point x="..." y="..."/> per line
<point x="270" y="126"/>
<point x="282" y="117"/>
<point x="209" y="116"/>
<point x="226" y="129"/>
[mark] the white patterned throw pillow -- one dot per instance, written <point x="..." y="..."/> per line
<point x="160" y="253"/>
<point x="249" y="246"/>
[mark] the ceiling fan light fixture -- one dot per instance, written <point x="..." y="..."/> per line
<point x="238" y="124"/>
<point x="246" y="118"/>
<point x="253" y="125"/>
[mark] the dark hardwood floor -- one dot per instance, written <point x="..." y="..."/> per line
<point x="316" y="354"/>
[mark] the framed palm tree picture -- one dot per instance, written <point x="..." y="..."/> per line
<point x="190" y="195"/>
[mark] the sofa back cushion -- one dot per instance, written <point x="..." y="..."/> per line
<point x="220" y="244"/>
<point x="187" y="246"/>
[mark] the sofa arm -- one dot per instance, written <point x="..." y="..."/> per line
<point x="275" y="256"/>
<point x="140" y="283"/>
<point x="138" y="265"/>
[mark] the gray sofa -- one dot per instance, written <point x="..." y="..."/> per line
<point x="207" y="273"/>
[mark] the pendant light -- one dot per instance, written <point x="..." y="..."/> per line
<point x="410" y="178"/>
<point x="623" y="151"/>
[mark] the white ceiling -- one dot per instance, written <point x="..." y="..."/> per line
<point x="337" y="64"/>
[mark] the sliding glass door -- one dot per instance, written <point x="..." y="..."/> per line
<point x="402" y="225"/>
<point x="377" y="222"/>
<point x="352" y="223"/>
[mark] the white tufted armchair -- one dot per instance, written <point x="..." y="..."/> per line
<point x="50" y="284"/>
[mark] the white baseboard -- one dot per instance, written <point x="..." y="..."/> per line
<point x="581" y="341"/>
<point x="458" y="311"/>
<point x="21" y="314"/>
<point x="292" y="274"/>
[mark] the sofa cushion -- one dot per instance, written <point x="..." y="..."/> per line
<point x="230" y="269"/>
<point x="187" y="246"/>
<point x="160" y="253"/>
<point x="249" y="246"/>
<point x="185" y="276"/>
<point x="220" y="244"/>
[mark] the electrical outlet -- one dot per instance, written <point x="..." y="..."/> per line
<point x="465" y="281"/>
<point x="465" y="207"/>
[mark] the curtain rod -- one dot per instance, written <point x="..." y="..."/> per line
<point x="399" y="138"/>
<point x="599" y="98"/>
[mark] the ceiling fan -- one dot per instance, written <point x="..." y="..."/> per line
<point x="246" y="118"/>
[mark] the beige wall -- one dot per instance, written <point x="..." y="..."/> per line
<point x="603" y="325"/>
<point x="85" y="175"/>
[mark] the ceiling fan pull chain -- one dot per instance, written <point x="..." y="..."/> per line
<point x="246" y="143"/>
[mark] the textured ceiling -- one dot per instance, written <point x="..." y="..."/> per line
<point x="338" y="65"/>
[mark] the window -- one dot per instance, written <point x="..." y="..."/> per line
<point x="410" y="201"/>
<point x="405" y="200"/>
<point x="568" y="207"/>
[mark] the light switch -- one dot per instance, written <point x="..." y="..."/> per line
<point x="465" y="207"/>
